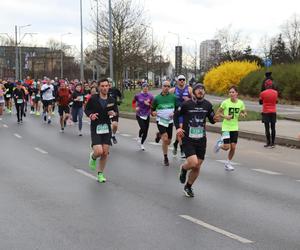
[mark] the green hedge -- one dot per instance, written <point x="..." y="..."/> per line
<point x="286" y="77"/>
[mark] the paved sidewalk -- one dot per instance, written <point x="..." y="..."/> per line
<point x="287" y="131"/>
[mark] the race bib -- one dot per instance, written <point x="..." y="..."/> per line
<point x="144" y="117"/>
<point x="102" y="129"/>
<point x="196" y="132"/>
<point x="164" y="122"/>
<point x="33" y="97"/>
<point x="38" y="95"/>
<point x="81" y="98"/>
<point x="8" y="95"/>
<point x="225" y="135"/>
<point x="19" y="101"/>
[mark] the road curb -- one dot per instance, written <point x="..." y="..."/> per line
<point x="280" y="140"/>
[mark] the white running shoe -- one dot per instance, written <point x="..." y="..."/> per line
<point x="218" y="145"/>
<point x="229" y="167"/>
<point x="142" y="147"/>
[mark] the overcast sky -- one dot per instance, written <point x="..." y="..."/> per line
<point x="196" y="19"/>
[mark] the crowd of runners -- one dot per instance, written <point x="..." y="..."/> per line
<point x="182" y="106"/>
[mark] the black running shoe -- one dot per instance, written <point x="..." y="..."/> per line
<point x="166" y="162"/>
<point x="157" y="138"/>
<point x="182" y="175"/>
<point x="114" y="139"/>
<point x="188" y="192"/>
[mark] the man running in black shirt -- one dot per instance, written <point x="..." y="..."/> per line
<point x="193" y="134"/>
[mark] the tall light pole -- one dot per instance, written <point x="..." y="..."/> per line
<point x="152" y="49"/>
<point x="20" y="52"/>
<point x="195" y="55"/>
<point x="16" y="48"/>
<point x="62" y="56"/>
<point x="81" y="46"/>
<point x="111" y="71"/>
<point x="97" y="43"/>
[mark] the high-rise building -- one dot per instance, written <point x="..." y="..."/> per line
<point x="209" y="54"/>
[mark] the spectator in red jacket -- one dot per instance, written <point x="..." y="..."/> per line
<point x="268" y="98"/>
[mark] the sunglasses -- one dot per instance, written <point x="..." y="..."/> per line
<point x="181" y="80"/>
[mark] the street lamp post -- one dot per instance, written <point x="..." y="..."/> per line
<point x="111" y="72"/>
<point x="62" y="56"/>
<point x="152" y="50"/>
<point x="81" y="46"/>
<point x="97" y="43"/>
<point x="20" y="52"/>
<point x="195" y="55"/>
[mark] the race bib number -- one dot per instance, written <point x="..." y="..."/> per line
<point x="102" y="129"/>
<point x="225" y="135"/>
<point x="196" y="132"/>
<point x="33" y="97"/>
<point x="8" y="95"/>
<point x="144" y="117"/>
<point x="19" y="101"/>
<point x="164" y="122"/>
<point x="81" y="98"/>
<point x="38" y="95"/>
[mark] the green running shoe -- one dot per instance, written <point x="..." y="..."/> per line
<point x="92" y="162"/>
<point x="101" y="177"/>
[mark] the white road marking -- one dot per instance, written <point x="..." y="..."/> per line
<point x="41" y="150"/>
<point x="216" y="229"/>
<point x="0" y="119"/>
<point x="126" y="135"/>
<point x="266" y="171"/>
<point x="18" y="136"/>
<point x="232" y="163"/>
<point x="5" y="126"/>
<point x="154" y="143"/>
<point x="298" y="180"/>
<point x="80" y="171"/>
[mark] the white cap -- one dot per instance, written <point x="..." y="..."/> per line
<point x="181" y="77"/>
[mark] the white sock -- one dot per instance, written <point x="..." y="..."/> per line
<point x="113" y="134"/>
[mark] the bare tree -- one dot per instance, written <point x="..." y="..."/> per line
<point x="130" y="40"/>
<point x="291" y="33"/>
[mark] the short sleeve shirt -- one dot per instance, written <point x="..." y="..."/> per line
<point x="234" y="109"/>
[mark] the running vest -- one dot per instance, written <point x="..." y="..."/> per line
<point x="180" y="93"/>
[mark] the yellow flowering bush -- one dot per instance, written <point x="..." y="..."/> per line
<point x="220" y="78"/>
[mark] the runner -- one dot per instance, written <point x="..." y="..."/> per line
<point x="63" y="98"/>
<point x="77" y="106"/>
<point x="48" y="99"/>
<point x="183" y="92"/>
<point x="19" y="98"/>
<point x="9" y="86"/>
<point x="116" y="94"/>
<point x="230" y="110"/>
<point x="99" y="108"/>
<point x="268" y="98"/>
<point x="143" y="102"/>
<point x="2" y="101"/>
<point x="163" y="108"/>
<point x="36" y="98"/>
<point x="193" y="134"/>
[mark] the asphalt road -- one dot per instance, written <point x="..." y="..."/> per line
<point x="51" y="200"/>
<point x="288" y="111"/>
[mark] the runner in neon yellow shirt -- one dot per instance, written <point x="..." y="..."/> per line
<point x="230" y="110"/>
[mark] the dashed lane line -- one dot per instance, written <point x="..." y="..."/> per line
<point x="5" y="126"/>
<point x="216" y="229"/>
<point x="18" y="136"/>
<point x="232" y="163"/>
<point x="266" y="171"/>
<point x="41" y="150"/>
<point x="80" y="171"/>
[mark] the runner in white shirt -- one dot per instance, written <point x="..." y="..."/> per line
<point x="47" y="91"/>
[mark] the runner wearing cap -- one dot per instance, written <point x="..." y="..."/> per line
<point x="194" y="113"/>
<point x="143" y="102"/>
<point x="163" y="107"/>
<point x="183" y="92"/>
<point x="230" y="110"/>
<point x="99" y="108"/>
<point x="117" y="95"/>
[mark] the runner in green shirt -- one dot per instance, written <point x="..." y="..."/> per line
<point x="230" y="110"/>
<point x="163" y="108"/>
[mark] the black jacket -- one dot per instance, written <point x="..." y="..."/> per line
<point x="94" y="106"/>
